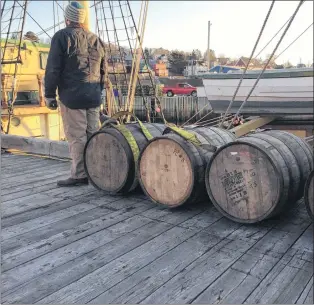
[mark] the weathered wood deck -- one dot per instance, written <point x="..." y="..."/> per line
<point x="76" y="245"/>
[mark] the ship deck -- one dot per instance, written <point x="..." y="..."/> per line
<point x="77" y="245"/>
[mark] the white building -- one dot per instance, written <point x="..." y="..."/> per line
<point x="194" y="70"/>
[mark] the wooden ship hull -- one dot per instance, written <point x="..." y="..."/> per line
<point x="280" y="92"/>
<point x="31" y="117"/>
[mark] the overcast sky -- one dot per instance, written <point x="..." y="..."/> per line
<point x="235" y="26"/>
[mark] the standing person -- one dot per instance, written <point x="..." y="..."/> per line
<point x="75" y="67"/>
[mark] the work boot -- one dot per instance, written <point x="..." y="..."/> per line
<point x="72" y="182"/>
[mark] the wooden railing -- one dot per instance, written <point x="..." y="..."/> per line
<point x="177" y="109"/>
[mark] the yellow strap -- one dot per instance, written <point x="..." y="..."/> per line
<point x="127" y="133"/>
<point x="191" y="137"/>
<point x="145" y="131"/>
<point x="131" y="140"/>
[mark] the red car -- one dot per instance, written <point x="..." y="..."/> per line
<point x="180" y="89"/>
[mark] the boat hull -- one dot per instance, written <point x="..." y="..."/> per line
<point x="275" y="93"/>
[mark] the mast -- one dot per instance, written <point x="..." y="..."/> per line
<point x="87" y="19"/>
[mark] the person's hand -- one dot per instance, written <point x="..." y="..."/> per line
<point x="51" y="103"/>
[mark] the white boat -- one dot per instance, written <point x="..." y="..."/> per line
<point x="282" y="91"/>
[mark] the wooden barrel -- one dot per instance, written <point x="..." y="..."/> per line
<point x="255" y="177"/>
<point x="171" y="168"/>
<point x="302" y="153"/>
<point x="110" y="155"/>
<point x="308" y="195"/>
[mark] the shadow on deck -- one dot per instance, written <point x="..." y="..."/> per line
<point x="76" y="245"/>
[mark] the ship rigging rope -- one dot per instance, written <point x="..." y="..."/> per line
<point x="58" y="14"/>
<point x="35" y="21"/>
<point x="131" y="51"/>
<point x="6" y="41"/>
<point x="110" y="98"/>
<point x="96" y="3"/>
<point x="54" y="17"/>
<point x="16" y="66"/>
<point x="60" y="5"/>
<point x="48" y="29"/>
<point x="293" y="41"/>
<point x="117" y="42"/>
<point x="272" y="38"/>
<point x="136" y="57"/>
<point x="147" y="63"/>
<point x="247" y="65"/>
<point x="213" y="121"/>
<point x="109" y="47"/>
<point x="4" y="9"/>
<point x="195" y="115"/>
<point x="268" y="61"/>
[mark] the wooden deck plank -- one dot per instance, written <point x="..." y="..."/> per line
<point x="15" y="160"/>
<point x="37" y="223"/>
<point x="11" y="182"/>
<point x="27" y="203"/>
<point x="187" y="285"/>
<point x="21" y="171"/>
<point x="44" y="210"/>
<point x="141" y="284"/>
<point x="20" y="164"/>
<point x="35" y="243"/>
<point x="21" y="254"/>
<point x="293" y="290"/>
<point x="79" y="245"/>
<point x="30" y="186"/>
<point x="305" y="241"/>
<point x="26" y="167"/>
<point x="239" y="240"/>
<point x="204" y="219"/>
<point x="59" y="277"/>
<point x="276" y="284"/>
<point x="275" y="243"/>
<point x="276" y="281"/>
<point x="304" y="295"/>
<point x="51" y="184"/>
<point x="223" y="287"/>
<point x="234" y="286"/>
<point x="94" y="284"/>
<point x="20" y="274"/>
<point x="309" y="299"/>
<point x="173" y="216"/>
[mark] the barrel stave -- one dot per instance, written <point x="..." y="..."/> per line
<point x="243" y="181"/>
<point x="167" y="170"/>
<point x="192" y="177"/>
<point x="303" y="156"/>
<point x="290" y="163"/>
<point x="309" y="195"/>
<point x="281" y="166"/>
<point x="109" y="160"/>
<point x="115" y="164"/>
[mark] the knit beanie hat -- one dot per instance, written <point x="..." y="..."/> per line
<point x="75" y="12"/>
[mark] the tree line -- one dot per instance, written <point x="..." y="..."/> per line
<point x="178" y="59"/>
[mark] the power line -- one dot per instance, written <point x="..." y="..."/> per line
<point x="268" y="61"/>
<point x="247" y="65"/>
<point x="293" y="41"/>
<point x="272" y="38"/>
<point x="34" y="20"/>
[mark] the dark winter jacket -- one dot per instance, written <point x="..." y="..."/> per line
<point x="75" y="67"/>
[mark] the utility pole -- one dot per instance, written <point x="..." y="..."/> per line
<point x="208" y="49"/>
